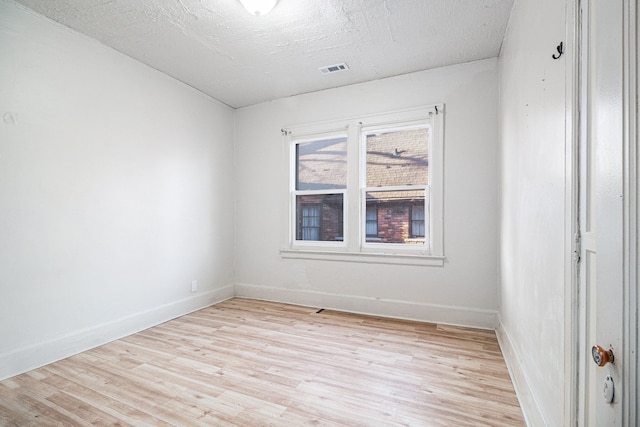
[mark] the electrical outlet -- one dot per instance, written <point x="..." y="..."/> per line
<point x="194" y="286"/>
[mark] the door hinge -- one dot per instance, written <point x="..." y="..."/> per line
<point x="577" y="247"/>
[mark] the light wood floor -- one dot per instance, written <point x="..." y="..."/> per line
<point x="251" y="363"/>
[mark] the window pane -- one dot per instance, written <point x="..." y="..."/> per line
<point x="319" y="217"/>
<point x="310" y="222"/>
<point x="417" y="220"/>
<point x="396" y="222"/>
<point x="321" y="164"/>
<point x="397" y="158"/>
<point x="372" y="221"/>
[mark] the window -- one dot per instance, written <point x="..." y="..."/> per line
<point x="310" y="227"/>
<point x="417" y="221"/>
<point x="367" y="189"/>
<point x="320" y="181"/>
<point x="372" y="221"/>
<point x="397" y="175"/>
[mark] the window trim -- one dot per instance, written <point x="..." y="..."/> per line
<point x="354" y="247"/>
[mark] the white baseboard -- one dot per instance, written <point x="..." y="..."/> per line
<point x="34" y="356"/>
<point x="528" y="403"/>
<point x="451" y="315"/>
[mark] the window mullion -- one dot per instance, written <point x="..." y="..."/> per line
<point x="353" y="204"/>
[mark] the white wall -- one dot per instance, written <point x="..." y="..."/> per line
<point x="533" y="252"/>
<point x="114" y="194"/>
<point x="464" y="291"/>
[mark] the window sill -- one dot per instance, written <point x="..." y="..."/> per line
<point x="368" y="258"/>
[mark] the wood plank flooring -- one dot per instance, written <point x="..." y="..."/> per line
<point x="254" y="363"/>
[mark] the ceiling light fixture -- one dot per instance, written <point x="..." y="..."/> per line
<point x="259" y="7"/>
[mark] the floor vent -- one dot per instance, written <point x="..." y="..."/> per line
<point x="334" y="68"/>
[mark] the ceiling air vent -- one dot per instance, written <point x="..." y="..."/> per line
<point x="334" y="68"/>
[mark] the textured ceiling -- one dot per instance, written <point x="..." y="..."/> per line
<point x="217" y="47"/>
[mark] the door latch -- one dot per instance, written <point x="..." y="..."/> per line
<point x="608" y="389"/>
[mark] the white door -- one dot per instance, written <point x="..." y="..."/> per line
<point x="604" y="216"/>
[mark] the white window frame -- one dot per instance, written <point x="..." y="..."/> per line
<point x="293" y="193"/>
<point x="391" y="247"/>
<point x="354" y="247"/>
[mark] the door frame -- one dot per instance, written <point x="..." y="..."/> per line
<point x="577" y="347"/>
